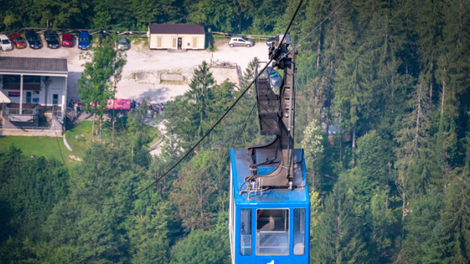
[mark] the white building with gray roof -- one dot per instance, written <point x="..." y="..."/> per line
<point x="176" y="36"/>
<point x="33" y="95"/>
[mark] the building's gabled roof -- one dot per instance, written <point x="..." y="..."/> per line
<point x="19" y="64"/>
<point x="176" y="29"/>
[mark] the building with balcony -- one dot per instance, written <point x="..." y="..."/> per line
<point x="33" y="96"/>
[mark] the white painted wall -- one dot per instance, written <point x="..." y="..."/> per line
<point x="167" y="41"/>
<point x="55" y="85"/>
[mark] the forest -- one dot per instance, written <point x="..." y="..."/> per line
<point x="383" y="114"/>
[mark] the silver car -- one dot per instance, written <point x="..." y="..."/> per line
<point x="5" y="43"/>
<point x="124" y="44"/>
<point x="240" y="41"/>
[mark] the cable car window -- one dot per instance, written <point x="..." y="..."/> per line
<point x="299" y="231"/>
<point x="272" y="232"/>
<point x="245" y="232"/>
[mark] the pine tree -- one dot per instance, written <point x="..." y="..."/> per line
<point x="95" y="84"/>
<point x="423" y="230"/>
<point x="353" y="91"/>
<point x="200" y="246"/>
<point x="148" y="229"/>
<point x="313" y="148"/>
<point x="338" y="236"/>
<point x="413" y="143"/>
<point x="188" y="115"/>
<point x="456" y="213"/>
<point x="194" y="190"/>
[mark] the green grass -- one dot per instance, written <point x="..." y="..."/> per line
<point x="49" y="146"/>
<point x="157" y="135"/>
<point x="80" y="137"/>
<point x="38" y="146"/>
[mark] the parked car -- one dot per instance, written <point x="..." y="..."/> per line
<point x="5" y="43"/>
<point x="52" y="39"/>
<point x="17" y="40"/>
<point x="67" y="40"/>
<point x="84" y="40"/>
<point x="240" y="41"/>
<point x="124" y="44"/>
<point x="270" y="41"/>
<point x="275" y="78"/>
<point x="33" y="39"/>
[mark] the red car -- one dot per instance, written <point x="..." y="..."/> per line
<point x="17" y="40"/>
<point x="67" y="40"/>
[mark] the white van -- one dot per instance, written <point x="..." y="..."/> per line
<point x="5" y="43"/>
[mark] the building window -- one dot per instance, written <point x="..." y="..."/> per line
<point x="17" y="79"/>
<point x="28" y="97"/>
<point x="11" y="78"/>
<point x="31" y="79"/>
<point x="245" y="232"/>
<point x="272" y="232"/>
<point x="55" y="99"/>
<point x="299" y="231"/>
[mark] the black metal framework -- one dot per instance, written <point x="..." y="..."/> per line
<point x="276" y="116"/>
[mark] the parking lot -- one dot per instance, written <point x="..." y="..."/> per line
<point x="141" y="74"/>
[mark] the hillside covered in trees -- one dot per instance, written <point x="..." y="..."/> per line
<point x="391" y="79"/>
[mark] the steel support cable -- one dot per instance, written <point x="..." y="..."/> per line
<point x="190" y="150"/>
<point x="230" y="108"/>
<point x="209" y="131"/>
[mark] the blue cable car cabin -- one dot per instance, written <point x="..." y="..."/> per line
<point x="270" y="227"/>
<point x="269" y="200"/>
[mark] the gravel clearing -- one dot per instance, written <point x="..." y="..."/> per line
<point x="141" y="74"/>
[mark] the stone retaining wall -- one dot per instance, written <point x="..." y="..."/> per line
<point x="171" y="77"/>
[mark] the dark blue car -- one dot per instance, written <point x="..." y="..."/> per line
<point x="84" y="40"/>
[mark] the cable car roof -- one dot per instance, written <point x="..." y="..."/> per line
<point x="240" y="169"/>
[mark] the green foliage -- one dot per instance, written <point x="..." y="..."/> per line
<point x="194" y="188"/>
<point x="313" y="148"/>
<point x="95" y="84"/>
<point x="338" y="237"/>
<point x="49" y="147"/>
<point x="392" y="74"/>
<point x="190" y="116"/>
<point x="29" y="189"/>
<point x="374" y="157"/>
<point x="148" y="229"/>
<point x="148" y="11"/>
<point x="211" y="246"/>
<point x="422" y="243"/>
